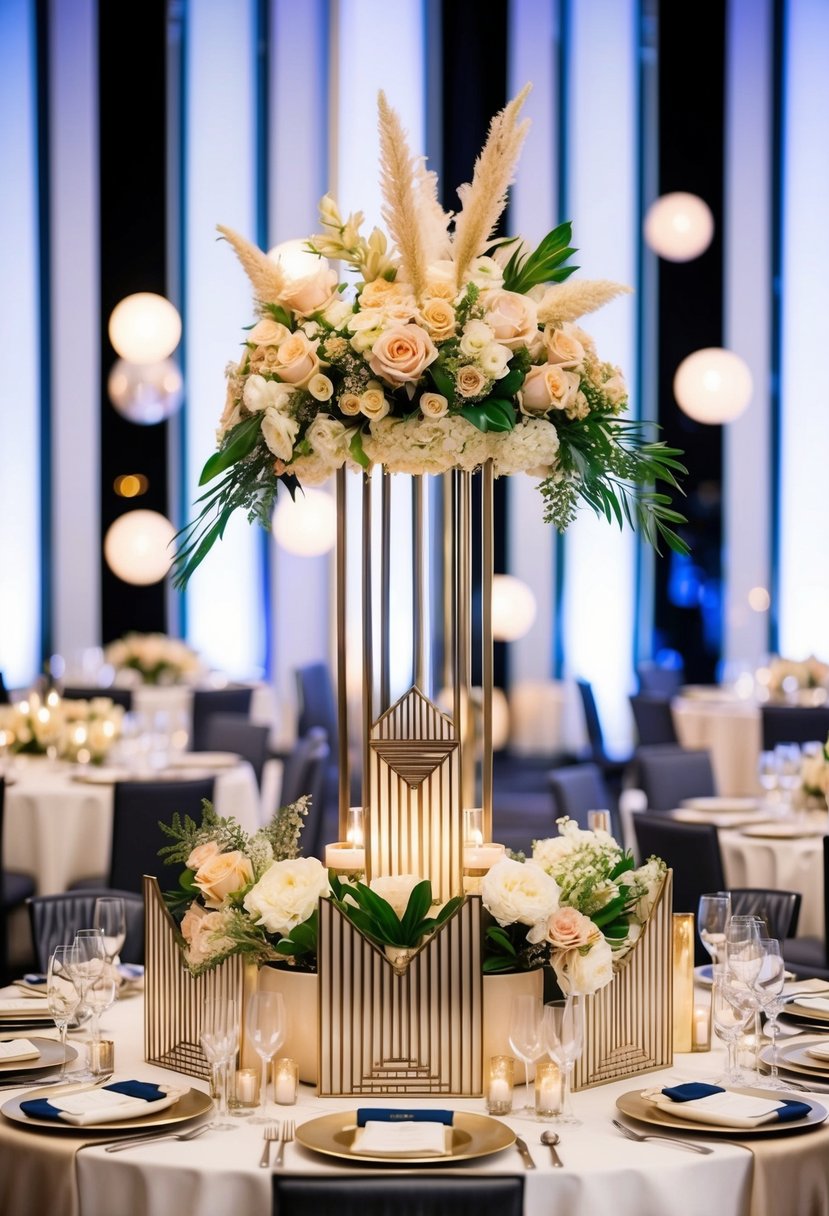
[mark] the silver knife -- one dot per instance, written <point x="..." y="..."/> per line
<point x="521" y="1145"/>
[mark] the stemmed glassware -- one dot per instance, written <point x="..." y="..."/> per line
<point x="266" y="1027"/>
<point x="769" y="988"/>
<point x="563" y="1036"/>
<point x="713" y="915"/>
<point x="525" y="1037"/>
<point x="109" y="915"/>
<point x="730" y="1016"/>
<point x="219" y="1039"/>
<point x="768" y="772"/>
<point x="789" y="761"/>
<point x="95" y="981"/>
<point x="62" y="995"/>
<point x="743" y="960"/>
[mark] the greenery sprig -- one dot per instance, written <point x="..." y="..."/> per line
<point x="377" y="920"/>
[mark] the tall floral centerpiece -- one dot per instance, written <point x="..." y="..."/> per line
<point x="450" y="353"/>
<point x="152" y="658"/>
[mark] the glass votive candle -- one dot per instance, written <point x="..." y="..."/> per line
<point x="598" y="821"/>
<point x="285" y="1081"/>
<point x="245" y="1092"/>
<point x="547" y="1089"/>
<point x="701" y="1032"/>
<point x="499" y="1085"/>
<point x="101" y="1056"/>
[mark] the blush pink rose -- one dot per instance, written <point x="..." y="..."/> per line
<point x="402" y="353"/>
<point x="513" y="318"/>
<point x="311" y="293"/>
<point x="297" y="360"/>
<point x="223" y="875"/>
<point x="201" y="854"/>
<point x="568" y="928"/>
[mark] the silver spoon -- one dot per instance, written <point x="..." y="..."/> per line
<point x="551" y="1139"/>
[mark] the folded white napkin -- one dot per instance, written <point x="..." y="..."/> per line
<point x="404" y="1139"/>
<point x="724" y="1109"/>
<point x="28" y="1005"/>
<point x="819" y="1003"/>
<point x="820" y="1051"/>
<point x="17" y="1049"/>
<point x="105" y="1106"/>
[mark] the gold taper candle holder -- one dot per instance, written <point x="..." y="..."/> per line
<point x="683" y="930"/>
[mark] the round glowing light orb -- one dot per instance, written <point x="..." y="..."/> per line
<point x="306" y="525"/>
<point x="679" y="226"/>
<point x="513" y="608"/>
<point x="144" y="328"/>
<point x="137" y="547"/>
<point x="713" y="385"/>
<point x="759" y="599"/>
<point x="296" y="261"/>
<point x="145" y="393"/>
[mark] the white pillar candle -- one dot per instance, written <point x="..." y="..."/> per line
<point x="285" y="1082"/>
<point x="246" y="1086"/>
<point x="345" y="857"/>
<point x="482" y="857"/>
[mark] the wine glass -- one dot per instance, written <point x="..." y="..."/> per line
<point x="730" y="1017"/>
<point x="62" y="995"/>
<point x="110" y="916"/>
<point x="219" y="1039"/>
<point x="525" y="1036"/>
<point x="789" y="779"/>
<point x="768" y="772"/>
<point x="266" y="1029"/>
<point x="713" y="915"/>
<point x="563" y="1033"/>
<point x="769" y="989"/>
<point x="95" y="978"/>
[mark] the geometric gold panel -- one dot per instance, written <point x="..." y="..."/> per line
<point x="413" y="759"/>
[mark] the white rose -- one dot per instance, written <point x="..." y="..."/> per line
<point x="312" y="292"/>
<point x="476" y="336"/>
<point x="433" y="405"/>
<point x="279" y="432"/>
<point x="493" y="359"/>
<point x="320" y="387"/>
<point x="548" y="387"/>
<point x="584" y="971"/>
<point x="268" y="333"/>
<point x="402" y="353"/>
<point x="563" y="347"/>
<point x="485" y="272"/>
<point x="373" y="403"/>
<point x="395" y="889"/>
<point x="513" y="317"/>
<point x="515" y="891"/>
<point x="287" y="894"/>
<point x="336" y="312"/>
<point x="260" y="393"/>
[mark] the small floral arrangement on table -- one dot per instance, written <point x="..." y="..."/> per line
<point x="155" y="658"/>
<point x="788" y="677"/>
<point x="814" y="772"/>
<point x="82" y="731"/>
<point x="450" y="349"/>
<point x="578" y="906"/>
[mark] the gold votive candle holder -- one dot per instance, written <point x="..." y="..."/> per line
<point x="500" y="1081"/>
<point x="599" y="821"/>
<point x="547" y="1089"/>
<point x="245" y="1092"/>
<point x="101" y="1056"/>
<point x="285" y="1081"/>
<point x="683" y="980"/>
<point x="701" y="1037"/>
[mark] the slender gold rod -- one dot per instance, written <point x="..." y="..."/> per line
<point x="448" y="588"/>
<point x="452" y="575"/>
<point x="385" y="592"/>
<point x="342" y="669"/>
<point x="487" y="562"/>
<point x="368" y="642"/>
<point x="465" y="641"/>
<point x="417" y="582"/>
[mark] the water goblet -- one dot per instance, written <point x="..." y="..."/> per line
<point x="769" y="988"/>
<point x="768" y="773"/>
<point x="789" y="761"/>
<point x="95" y="978"/>
<point x="219" y="1039"/>
<point x="265" y="1021"/>
<point x="563" y="1034"/>
<point x="61" y="993"/>
<point x="730" y="1018"/>
<point x="713" y="915"/>
<point x="525" y="1037"/>
<point x="109" y="915"/>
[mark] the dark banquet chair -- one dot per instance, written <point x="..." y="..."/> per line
<point x="579" y="788"/>
<point x="305" y="771"/>
<point x="15" y="889"/>
<point x="793" y="724"/>
<point x="390" y="1195"/>
<point x="653" y="719"/>
<point x="236" y="733"/>
<point x="57" y="918"/>
<point x="668" y="774"/>
<point x="613" y="770"/>
<point x="118" y="696"/>
<point x="207" y="702"/>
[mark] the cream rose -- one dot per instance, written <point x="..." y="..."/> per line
<point x="298" y="360"/>
<point x="470" y="381"/>
<point x="433" y="405"/>
<point x="562" y="347"/>
<point x="268" y="333"/>
<point x="615" y="390"/>
<point x="287" y="894"/>
<point x="223" y="875"/>
<point x="312" y="292"/>
<point x="380" y="292"/>
<point x="402" y="353"/>
<point x="584" y="971"/>
<point x="512" y="317"/>
<point x="548" y="387"/>
<point x="568" y="927"/>
<point x="373" y="403"/>
<point x="320" y="387"/>
<point x="201" y="930"/>
<point x="515" y="891"/>
<point x="439" y="318"/>
<point x="328" y="436"/>
<point x="395" y="889"/>
<point x="349" y="404"/>
<point x="279" y="430"/>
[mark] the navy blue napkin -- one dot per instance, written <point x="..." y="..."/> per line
<point x="41" y="1108"/>
<point x="698" y="1089"/>
<point x="394" y="1114"/>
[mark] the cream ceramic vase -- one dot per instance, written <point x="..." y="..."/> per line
<point x="499" y="990"/>
<point x="300" y="992"/>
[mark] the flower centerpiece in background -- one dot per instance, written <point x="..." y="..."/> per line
<point x="579" y="905"/>
<point x="815" y="774"/>
<point x="82" y="731"/>
<point x="790" y="679"/>
<point x="451" y="348"/>
<point x="153" y="657"/>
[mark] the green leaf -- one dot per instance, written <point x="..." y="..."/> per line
<point x="357" y="451"/>
<point x="500" y="938"/>
<point x="442" y="380"/>
<point x="241" y="441"/>
<point x="511" y="382"/>
<point x="279" y="314"/>
<point x="420" y="901"/>
<point x="494" y="414"/>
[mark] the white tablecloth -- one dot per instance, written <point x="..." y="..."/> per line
<point x="730" y="730"/>
<point x="785" y="865"/>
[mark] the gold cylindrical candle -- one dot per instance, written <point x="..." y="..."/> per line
<point x="683" y="929"/>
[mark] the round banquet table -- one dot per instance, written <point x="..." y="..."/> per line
<point x="730" y="729"/>
<point x="788" y="864"/>
<point x="219" y="1172"/>
<point x="176" y="702"/>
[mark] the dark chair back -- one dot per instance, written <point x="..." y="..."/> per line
<point x="118" y="696"/>
<point x="304" y="772"/>
<point x="794" y="724"/>
<point x="579" y="788"/>
<point x="653" y="719"/>
<point x="4" y="692"/>
<point x="387" y="1195"/>
<point x="660" y="679"/>
<point x="668" y="774"/>
<point x="55" y="919"/>
<point x="236" y="733"/>
<point x="15" y="889"/>
<point x="210" y="701"/>
<point x="316" y="702"/>
<point x="136" y="836"/>
<point x="780" y="910"/>
<point x="592" y="721"/>
<point x="692" y="850"/>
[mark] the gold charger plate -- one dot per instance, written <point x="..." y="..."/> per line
<point x="635" y="1106"/>
<point x="794" y="1058"/>
<point x="472" y="1136"/>
<point x="190" y="1105"/>
<point x="51" y="1054"/>
<point x="796" y="1010"/>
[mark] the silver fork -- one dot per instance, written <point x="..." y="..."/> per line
<point x="287" y="1134"/>
<point x="632" y="1135"/>
<point x="134" y="1141"/>
<point x="271" y="1133"/>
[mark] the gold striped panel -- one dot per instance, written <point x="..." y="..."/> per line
<point x="172" y="996"/>
<point x="412" y="1035"/>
